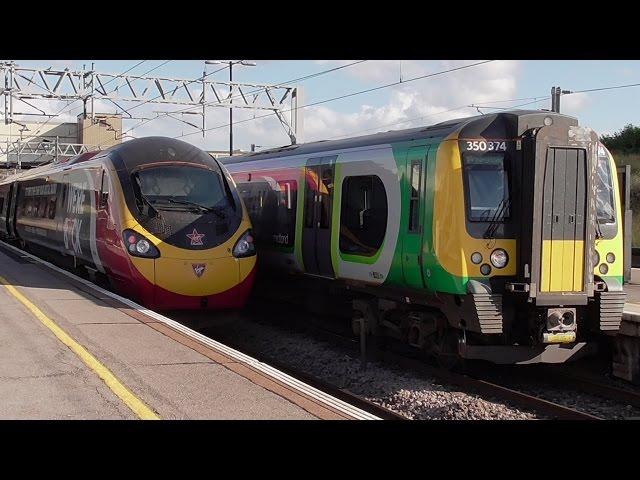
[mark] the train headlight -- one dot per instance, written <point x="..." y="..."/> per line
<point x="499" y="258"/>
<point x="476" y="257"/>
<point x="244" y="247"/>
<point x="611" y="257"/>
<point x="138" y="246"/>
<point x="143" y="246"/>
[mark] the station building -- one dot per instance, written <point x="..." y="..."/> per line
<point x="28" y="144"/>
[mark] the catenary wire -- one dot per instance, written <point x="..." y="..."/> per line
<point x="340" y="97"/>
<point x="208" y="104"/>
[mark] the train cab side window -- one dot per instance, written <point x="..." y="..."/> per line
<point x="2" y="206"/>
<point x="604" y="192"/>
<point x="104" y="190"/>
<point x="415" y="180"/>
<point x="363" y="215"/>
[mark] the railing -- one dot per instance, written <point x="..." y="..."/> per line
<point x="35" y="152"/>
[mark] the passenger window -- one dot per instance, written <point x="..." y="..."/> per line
<point x="52" y="208"/>
<point x="310" y="193"/>
<point x="363" y="216"/>
<point x="326" y="194"/>
<point x="271" y="206"/>
<point x="414" y="198"/>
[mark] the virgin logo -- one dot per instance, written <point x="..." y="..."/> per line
<point x="195" y="237"/>
<point x="198" y="269"/>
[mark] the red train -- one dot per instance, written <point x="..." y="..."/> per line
<point x="160" y="218"/>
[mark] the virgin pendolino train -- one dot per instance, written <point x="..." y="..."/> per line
<point x="160" y="218"/>
<point x="496" y="237"/>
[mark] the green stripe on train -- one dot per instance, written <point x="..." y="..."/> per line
<point x="435" y="277"/>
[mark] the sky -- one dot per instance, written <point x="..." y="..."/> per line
<point x="496" y="84"/>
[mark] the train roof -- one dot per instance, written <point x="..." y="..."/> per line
<point x="134" y="153"/>
<point x="441" y="129"/>
<point x="127" y="155"/>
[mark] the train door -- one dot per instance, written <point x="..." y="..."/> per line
<point x="318" y="206"/>
<point x="563" y="220"/>
<point x="413" y="196"/>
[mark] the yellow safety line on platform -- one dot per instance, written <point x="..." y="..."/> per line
<point x="134" y="403"/>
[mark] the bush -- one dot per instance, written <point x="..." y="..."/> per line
<point x="626" y="141"/>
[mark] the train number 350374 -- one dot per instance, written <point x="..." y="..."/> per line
<point x="484" y="146"/>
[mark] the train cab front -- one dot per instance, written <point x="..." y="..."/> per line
<point x="544" y="210"/>
<point x="188" y="237"/>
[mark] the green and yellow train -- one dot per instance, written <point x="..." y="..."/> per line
<point x="496" y="237"/>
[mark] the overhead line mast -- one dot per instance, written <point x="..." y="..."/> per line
<point x="22" y="84"/>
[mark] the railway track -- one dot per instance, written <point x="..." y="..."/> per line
<point x="595" y="386"/>
<point x="488" y="388"/>
<point x="481" y="386"/>
<point x="340" y="393"/>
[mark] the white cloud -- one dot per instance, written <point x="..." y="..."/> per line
<point x="574" y="103"/>
<point x="422" y="102"/>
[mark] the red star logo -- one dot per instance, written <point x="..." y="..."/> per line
<point x="195" y="237"/>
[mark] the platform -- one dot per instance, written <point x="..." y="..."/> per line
<point x="626" y="352"/>
<point x="72" y="351"/>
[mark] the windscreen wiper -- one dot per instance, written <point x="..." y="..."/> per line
<point x="140" y="196"/>
<point x="497" y="218"/>
<point x="200" y="206"/>
<point x="150" y="207"/>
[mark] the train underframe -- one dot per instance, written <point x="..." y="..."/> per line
<point x="499" y="328"/>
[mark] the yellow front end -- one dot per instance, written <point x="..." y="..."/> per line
<point x="191" y="279"/>
<point x="451" y="241"/>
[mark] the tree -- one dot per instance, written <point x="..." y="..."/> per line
<point x="626" y="140"/>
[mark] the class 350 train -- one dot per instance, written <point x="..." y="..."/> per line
<point x="158" y="217"/>
<point x="499" y="237"/>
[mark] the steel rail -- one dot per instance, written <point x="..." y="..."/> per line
<point x="596" y="387"/>
<point x="468" y="382"/>
<point x="491" y="389"/>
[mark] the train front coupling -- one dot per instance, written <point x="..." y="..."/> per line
<point x="560" y="326"/>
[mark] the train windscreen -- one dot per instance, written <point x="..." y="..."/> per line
<point x="487" y="186"/>
<point x="182" y="187"/>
